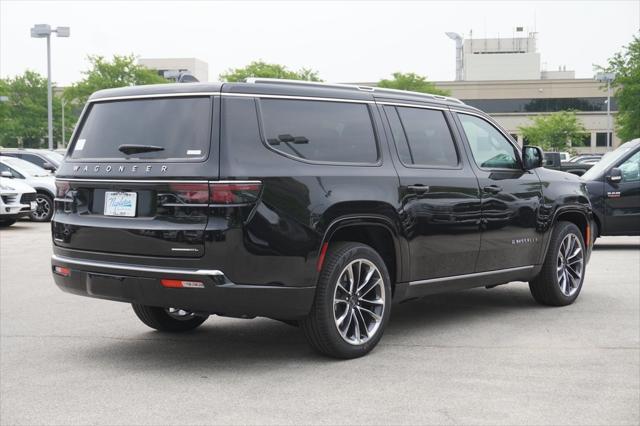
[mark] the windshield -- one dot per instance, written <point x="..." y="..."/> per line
<point x="146" y="129"/>
<point x="24" y="167"/>
<point x="607" y="161"/>
<point x="54" y="157"/>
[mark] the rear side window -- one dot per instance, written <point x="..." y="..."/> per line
<point x="339" y="132"/>
<point x="179" y="128"/>
<point x="422" y="136"/>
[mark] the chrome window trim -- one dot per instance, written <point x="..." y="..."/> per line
<point x="473" y="275"/>
<point x="139" y="268"/>
<point x="153" y="95"/>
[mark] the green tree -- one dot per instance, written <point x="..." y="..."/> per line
<point x="554" y="131"/>
<point x="413" y="82"/>
<point x="265" y="70"/>
<point x="121" y="71"/>
<point x="626" y="66"/>
<point x="23" y="112"/>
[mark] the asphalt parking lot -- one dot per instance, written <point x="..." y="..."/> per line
<point x="475" y="357"/>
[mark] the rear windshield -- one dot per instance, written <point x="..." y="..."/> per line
<point x="175" y="128"/>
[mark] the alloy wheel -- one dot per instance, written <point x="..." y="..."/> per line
<point x="43" y="208"/>
<point x="570" y="265"/>
<point x="358" y="301"/>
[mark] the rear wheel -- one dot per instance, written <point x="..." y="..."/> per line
<point x="44" y="208"/>
<point x="560" y="280"/>
<point x="168" y="319"/>
<point x="352" y="303"/>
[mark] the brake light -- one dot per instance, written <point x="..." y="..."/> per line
<point x="61" y="270"/>
<point x="181" y="284"/>
<point x="234" y="193"/>
<point x="191" y="193"/>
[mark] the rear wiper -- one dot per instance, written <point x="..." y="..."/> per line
<point x="136" y="149"/>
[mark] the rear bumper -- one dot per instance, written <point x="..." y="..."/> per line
<point x="141" y="284"/>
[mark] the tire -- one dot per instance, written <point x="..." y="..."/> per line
<point x="560" y="279"/>
<point x="162" y="320"/>
<point x="5" y="223"/>
<point x="321" y="325"/>
<point x="44" y="211"/>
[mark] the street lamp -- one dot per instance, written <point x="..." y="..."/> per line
<point x="608" y="77"/>
<point x="44" y="31"/>
<point x="63" y="103"/>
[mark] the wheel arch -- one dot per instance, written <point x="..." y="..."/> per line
<point x="375" y="231"/>
<point x="44" y="191"/>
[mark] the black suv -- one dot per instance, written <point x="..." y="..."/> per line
<point x="314" y="204"/>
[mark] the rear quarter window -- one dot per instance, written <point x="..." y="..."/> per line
<point x="180" y="126"/>
<point x="319" y="131"/>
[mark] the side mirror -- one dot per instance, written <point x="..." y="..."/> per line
<point x="532" y="157"/>
<point x="49" y="166"/>
<point x="615" y="175"/>
<point x="6" y="174"/>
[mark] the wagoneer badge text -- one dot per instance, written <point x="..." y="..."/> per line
<point x="121" y="169"/>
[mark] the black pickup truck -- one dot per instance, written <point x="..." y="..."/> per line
<point x="552" y="161"/>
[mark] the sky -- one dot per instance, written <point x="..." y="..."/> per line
<point x="359" y="41"/>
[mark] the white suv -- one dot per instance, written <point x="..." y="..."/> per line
<point x="17" y="199"/>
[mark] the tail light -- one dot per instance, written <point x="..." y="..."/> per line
<point x="234" y="192"/>
<point x="217" y="193"/>
<point x="62" y="187"/>
<point x="191" y="193"/>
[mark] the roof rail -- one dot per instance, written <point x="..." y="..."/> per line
<point x="352" y="87"/>
<point x="420" y="94"/>
<point x="307" y="83"/>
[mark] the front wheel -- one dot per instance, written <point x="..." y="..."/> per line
<point x="168" y="319"/>
<point x="560" y="280"/>
<point x="352" y="303"/>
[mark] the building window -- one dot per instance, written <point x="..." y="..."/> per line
<point x="584" y="140"/>
<point x="601" y="139"/>
<point x="541" y="105"/>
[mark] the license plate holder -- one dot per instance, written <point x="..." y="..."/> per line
<point x="119" y="203"/>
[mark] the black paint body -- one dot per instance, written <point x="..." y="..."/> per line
<point x="442" y="239"/>
<point x="616" y="205"/>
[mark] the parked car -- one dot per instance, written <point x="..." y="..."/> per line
<point x="552" y="161"/>
<point x="310" y="203"/>
<point x="38" y="178"/>
<point x="585" y="157"/>
<point x="17" y="199"/>
<point x="614" y="189"/>
<point x="564" y="156"/>
<point x="44" y="158"/>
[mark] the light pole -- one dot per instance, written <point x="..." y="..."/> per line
<point x="44" y="31"/>
<point x="64" y="140"/>
<point x="608" y="77"/>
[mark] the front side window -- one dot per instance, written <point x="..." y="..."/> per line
<point x="631" y="168"/>
<point x="423" y="137"/>
<point x="337" y="132"/>
<point x="490" y="149"/>
<point x="38" y="161"/>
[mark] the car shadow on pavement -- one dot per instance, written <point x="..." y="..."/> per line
<point x="251" y="344"/>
